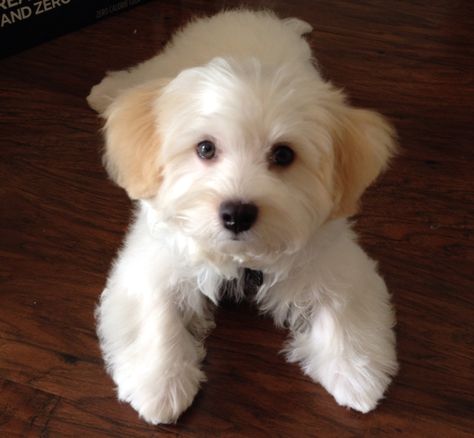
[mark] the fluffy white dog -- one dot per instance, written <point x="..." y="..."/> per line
<point x="242" y="158"/>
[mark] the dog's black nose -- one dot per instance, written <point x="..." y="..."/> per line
<point x="237" y="216"/>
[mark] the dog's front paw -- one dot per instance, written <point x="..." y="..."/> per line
<point x="359" y="388"/>
<point x="164" y="399"/>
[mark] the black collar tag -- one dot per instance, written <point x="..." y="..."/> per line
<point x="252" y="281"/>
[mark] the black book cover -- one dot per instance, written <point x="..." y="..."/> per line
<point x="25" y="23"/>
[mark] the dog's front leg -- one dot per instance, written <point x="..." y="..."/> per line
<point x="152" y="357"/>
<point x="347" y="343"/>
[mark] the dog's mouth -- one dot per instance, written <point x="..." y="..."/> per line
<point x="233" y="244"/>
<point x="236" y="238"/>
<point x="242" y="246"/>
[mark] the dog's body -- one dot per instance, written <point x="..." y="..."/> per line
<point x="242" y="156"/>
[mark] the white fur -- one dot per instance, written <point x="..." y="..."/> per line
<point x="247" y="81"/>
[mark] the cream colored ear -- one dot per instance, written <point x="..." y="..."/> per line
<point x="364" y="144"/>
<point x="132" y="143"/>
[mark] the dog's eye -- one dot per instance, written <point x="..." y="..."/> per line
<point x="282" y="155"/>
<point x="206" y="149"/>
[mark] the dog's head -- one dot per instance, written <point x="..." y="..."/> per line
<point x="246" y="159"/>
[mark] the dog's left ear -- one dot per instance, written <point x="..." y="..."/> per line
<point x="364" y="142"/>
<point x="132" y="143"/>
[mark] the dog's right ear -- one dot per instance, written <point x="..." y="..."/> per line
<point x="132" y="143"/>
<point x="364" y="144"/>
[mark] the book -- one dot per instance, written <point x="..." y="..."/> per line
<point x="25" y="23"/>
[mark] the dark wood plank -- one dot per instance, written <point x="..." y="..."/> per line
<point x="61" y="222"/>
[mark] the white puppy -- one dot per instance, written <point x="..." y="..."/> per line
<point x="242" y="157"/>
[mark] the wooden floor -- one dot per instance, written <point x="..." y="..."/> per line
<point x="62" y="221"/>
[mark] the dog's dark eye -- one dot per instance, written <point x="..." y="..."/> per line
<point x="206" y="149"/>
<point x="282" y="155"/>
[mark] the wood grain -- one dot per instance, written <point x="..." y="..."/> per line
<point x="62" y="221"/>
